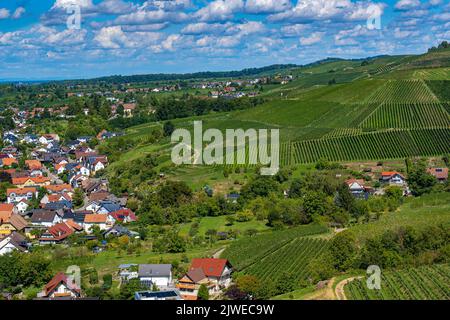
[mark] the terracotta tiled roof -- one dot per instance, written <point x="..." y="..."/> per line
<point x="390" y="173"/>
<point x="439" y="173"/>
<point x="95" y="218"/>
<point x="20" y="191"/>
<point x="211" y="267"/>
<point x="23" y="180"/>
<point x="56" y="281"/>
<point x="121" y="214"/>
<point x="33" y="164"/>
<point x="59" y="187"/>
<point x="9" y="161"/>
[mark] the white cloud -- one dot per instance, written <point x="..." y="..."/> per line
<point x="407" y="4"/>
<point x="312" y="39"/>
<point x="4" y="13"/>
<point x="220" y="10"/>
<point x="66" y="37"/>
<point x="64" y="4"/>
<point x="112" y="38"/>
<point x="402" y="34"/>
<point x="150" y="17"/>
<point x="205" y="28"/>
<point x="18" y="13"/>
<point x="267" y="6"/>
<point x="319" y="10"/>
<point x="294" y="30"/>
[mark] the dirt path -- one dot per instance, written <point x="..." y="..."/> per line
<point x="218" y="253"/>
<point x="339" y="290"/>
<point x="326" y="293"/>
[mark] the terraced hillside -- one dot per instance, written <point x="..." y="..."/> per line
<point x="388" y="108"/>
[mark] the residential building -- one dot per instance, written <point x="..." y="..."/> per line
<point x="12" y="242"/>
<point x="393" y="178"/>
<point x="60" y="286"/>
<point x="15" y="195"/>
<point x="155" y="274"/>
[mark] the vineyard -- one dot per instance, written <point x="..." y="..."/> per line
<point x="416" y="115"/>
<point x="389" y="144"/>
<point x="403" y="91"/>
<point x="292" y="259"/>
<point x="424" y="283"/>
<point x="247" y="251"/>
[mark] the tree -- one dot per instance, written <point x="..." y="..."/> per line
<point x="248" y="284"/>
<point x="419" y="181"/>
<point x="342" y="249"/>
<point x="168" y="128"/>
<point x="128" y="289"/>
<point x="78" y="197"/>
<point x="203" y="293"/>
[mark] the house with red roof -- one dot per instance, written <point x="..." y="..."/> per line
<point x="123" y="215"/>
<point x="215" y="274"/>
<point x="441" y="174"/>
<point x="61" y="286"/>
<point x="393" y="178"/>
<point x="56" y="234"/>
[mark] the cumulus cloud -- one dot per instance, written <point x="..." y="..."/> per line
<point x="18" y="13"/>
<point x="220" y="10"/>
<point x="4" y="13"/>
<point x="294" y="30"/>
<point x="112" y="38"/>
<point x="150" y="17"/>
<point x="407" y="4"/>
<point x="319" y="10"/>
<point x="312" y="39"/>
<point x="267" y="6"/>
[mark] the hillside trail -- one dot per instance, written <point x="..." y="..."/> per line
<point x="326" y="293"/>
<point x="218" y="253"/>
<point x="339" y="290"/>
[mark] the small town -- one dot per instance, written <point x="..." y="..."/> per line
<point x="224" y="158"/>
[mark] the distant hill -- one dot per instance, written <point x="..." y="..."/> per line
<point x="119" y="79"/>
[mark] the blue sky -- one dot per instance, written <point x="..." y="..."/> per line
<point x="138" y="36"/>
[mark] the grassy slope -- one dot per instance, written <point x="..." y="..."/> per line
<point x="420" y="212"/>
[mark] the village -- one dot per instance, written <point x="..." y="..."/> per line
<point x="57" y="191"/>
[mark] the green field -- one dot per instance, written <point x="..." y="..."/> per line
<point x="424" y="283"/>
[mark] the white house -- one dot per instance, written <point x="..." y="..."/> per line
<point x="155" y="274"/>
<point x="11" y="243"/>
<point x="15" y="195"/>
<point x="103" y="221"/>
<point x="22" y="206"/>
<point x="45" y="218"/>
<point x="393" y="178"/>
<point x="60" y="287"/>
